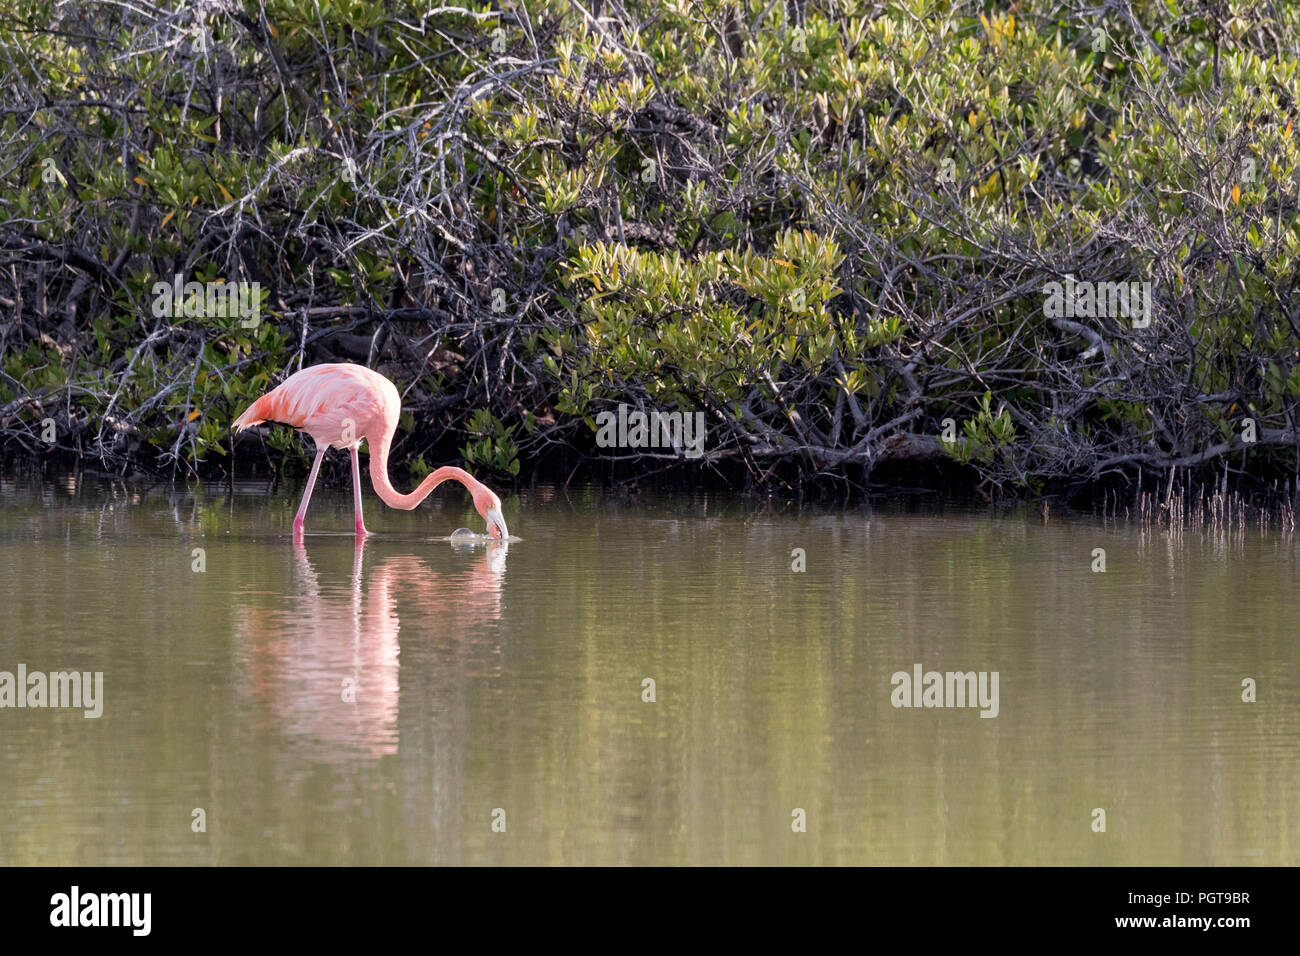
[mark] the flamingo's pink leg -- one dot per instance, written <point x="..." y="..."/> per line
<point x="306" y="495"/>
<point x="356" y="491"/>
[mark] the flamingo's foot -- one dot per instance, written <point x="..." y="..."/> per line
<point x="361" y="528"/>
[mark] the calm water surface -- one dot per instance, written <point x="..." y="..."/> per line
<point x="330" y="703"/>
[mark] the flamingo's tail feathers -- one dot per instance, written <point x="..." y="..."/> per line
<point x="255" y="414"/>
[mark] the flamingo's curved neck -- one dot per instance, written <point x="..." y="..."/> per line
<point x="394" y="498"/>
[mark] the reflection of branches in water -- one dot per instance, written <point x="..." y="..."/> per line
<point x="299" y="660"/>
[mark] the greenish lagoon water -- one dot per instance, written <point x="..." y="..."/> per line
<point x="330" y="703"/>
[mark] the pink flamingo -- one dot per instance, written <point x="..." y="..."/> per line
<point x="338" y="406"/>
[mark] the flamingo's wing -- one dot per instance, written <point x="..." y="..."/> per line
<point x="332" y="403"/>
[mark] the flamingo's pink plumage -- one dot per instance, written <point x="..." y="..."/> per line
<point x="339" y="406"/>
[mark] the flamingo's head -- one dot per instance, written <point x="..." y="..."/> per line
<point x="489" y="506"/>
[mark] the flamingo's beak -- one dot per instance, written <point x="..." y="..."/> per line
<point x="496" y="525"/>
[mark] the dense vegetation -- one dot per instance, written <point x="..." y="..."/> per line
<point x="828" y="225"/>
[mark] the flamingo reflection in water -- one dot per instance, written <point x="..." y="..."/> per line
<point x="322" y="670"/>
